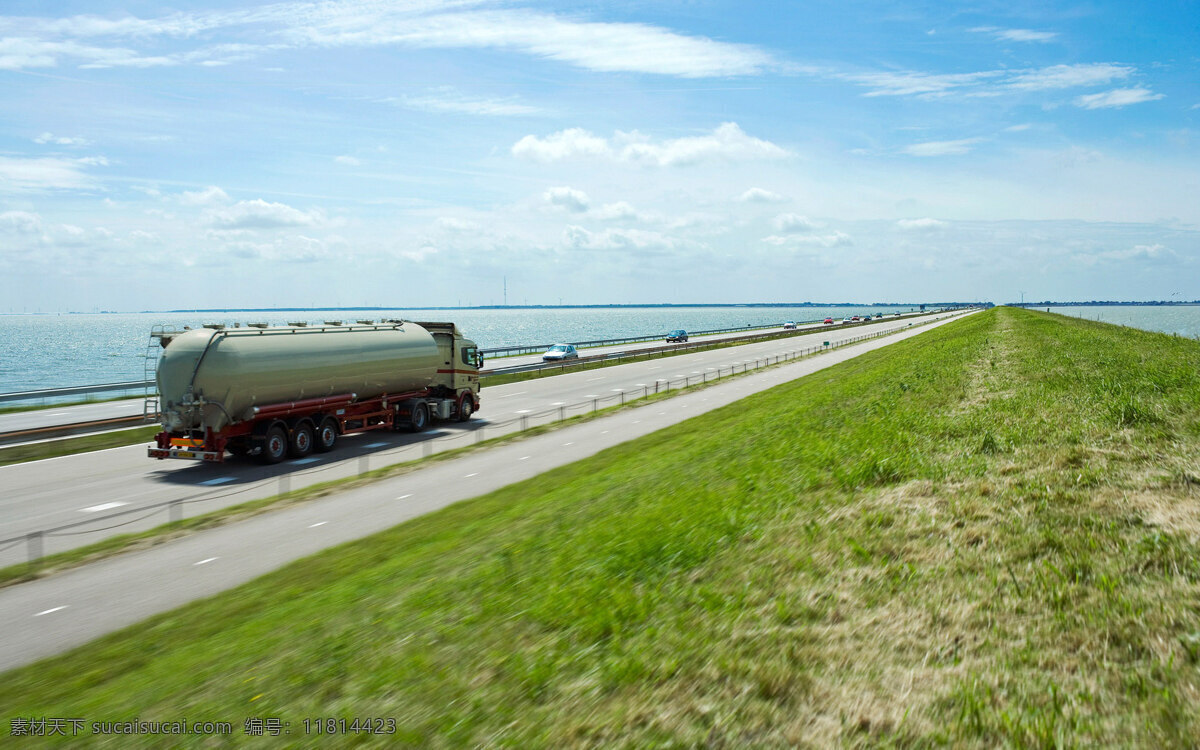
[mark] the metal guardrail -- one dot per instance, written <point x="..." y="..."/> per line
<point x="77" y="390"/>
<point x="174" y="509"/>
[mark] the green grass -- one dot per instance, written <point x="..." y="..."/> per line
<point x="978" y="537"/>
<point x="82" y="444"/>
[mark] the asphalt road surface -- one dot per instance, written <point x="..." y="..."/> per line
<point x="45" y="617"/>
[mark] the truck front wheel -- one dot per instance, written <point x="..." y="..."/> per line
<point x="420" y="417"/>
<point x="466" y="408"/>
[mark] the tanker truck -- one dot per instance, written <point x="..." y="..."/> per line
<point x="276" y="392"/>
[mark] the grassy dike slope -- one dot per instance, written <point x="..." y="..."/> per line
<point x="979" y="536"/>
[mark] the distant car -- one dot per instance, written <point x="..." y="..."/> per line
<point x="677" y="335"/>
<point x="828" y="321"/>
<point x="559" y="352"/>
<point x="878" y="316"/>
<point x="790" y="324"/>
<point x="855" y="318"/>
<point x="845" y="320"/>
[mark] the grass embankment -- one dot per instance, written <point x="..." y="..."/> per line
<point x="977" y="537"/>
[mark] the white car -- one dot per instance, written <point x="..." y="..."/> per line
<point x="559" y="352"/>
<point x="790" y="324"/>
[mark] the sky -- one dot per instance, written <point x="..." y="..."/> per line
<point x="469" y="152"/>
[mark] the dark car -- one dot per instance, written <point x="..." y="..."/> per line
<point x="677" y="335"/>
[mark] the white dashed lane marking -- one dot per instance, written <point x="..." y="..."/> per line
<point x="52" y="609"/>
<point x="318" y="523"/>
<point x="510" y="395"/>
<point x="523" y="458"/>
<point x="102" y="506"/>
<point x="205" y="561"/>
<point x="472" y="474"/>
<point x="404" y="496"/>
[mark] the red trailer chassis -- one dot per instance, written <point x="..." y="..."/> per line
<point x="298" y="428"/>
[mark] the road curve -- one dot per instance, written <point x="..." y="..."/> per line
<point x="45" y="617"/>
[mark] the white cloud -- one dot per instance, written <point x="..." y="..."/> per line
<point x="920" y="225"/>
<point x="50" y="173"/>
<point x="836" y="239"/>
<point x="1069" y="76"/>
<point x="1116" y="98"/>
<point x="617" y="239"/>
<point x="448" y="100"/>
<point x="1017" y="35"/>
<point x="565" y="144"/>
<point x="598" y="46"/>
<point x="619" y="211"/>
<point x="20" y="222"/>
<point x="1139" y="251"/>
<point x="759" y="195"/>
<point x="59" y="140"/>
<point x="453" y="224"/>
<point x="1018" y="128"/>
<point x="727" y="142"/>
<point x="567" y="198"/>
<point x="942" y="148"/>
<point x="348" y="161"/>
<point x="793" y="223"/>
<point x="209" y="196"/>
<point x="259" y="214"/>
<point x="987" y="82"/>
<point x="916" y="83"/>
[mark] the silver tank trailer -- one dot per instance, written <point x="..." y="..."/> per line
<point x="210" y="378"/>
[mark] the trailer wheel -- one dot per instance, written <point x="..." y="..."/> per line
<point x="327" y="436"/>
<point x="301" y="443"/>
<point x="420" y="417"/>
<point x="466" y="407"/>
<point x="275" y="445"/>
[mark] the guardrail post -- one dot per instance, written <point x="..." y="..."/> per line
<point x="427" y="448"/>
<point x="479" y="435"/>
<point x="562" y="413"/>
<point x="35" y="546"/>
<point x="596" y="404"/>
<point x="175" y="511"/>
<point x="364" y="464"/>
<point x="524" y="423"/>
<point x="622" y="398"/>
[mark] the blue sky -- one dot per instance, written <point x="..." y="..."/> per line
<point x="418" y="153"/>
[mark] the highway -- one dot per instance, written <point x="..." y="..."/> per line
<point x="78" y="504"/>
<point x="73" y="414"/>
<point x="48" y="616"/>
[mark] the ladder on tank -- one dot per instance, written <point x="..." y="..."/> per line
<point x="159" y="335"/>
